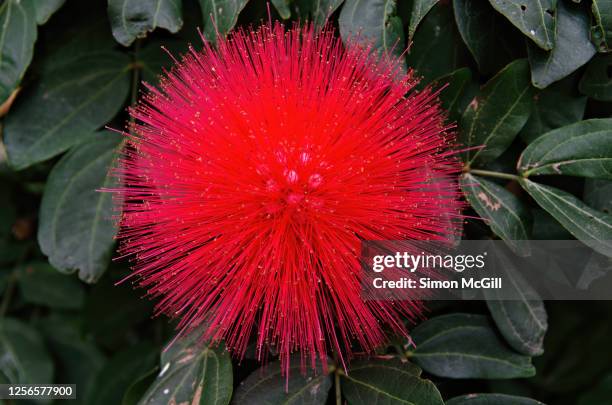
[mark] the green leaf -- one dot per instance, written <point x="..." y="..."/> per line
<point x="387" y="382"/>
<point x="153" y="59"/>
<point x="224" y="13"/>
<point x="573" y="47"/>
<point x="460" y="90"/>
<point x="41" y="284"/>
<point x="581" y="149"/>
<point x="597" y="81"/>
<point x="498" y="113"/>
<point x="115" y="377"/>
<point x="437" y="49"/>
<point x="137" y="389"/>
<point x="69" y="102"/>
<point x="553" y="108"/>
<point x="317" y="11"/>
<point x="192" y="372"/>
<point x="524" y="322"/>
<point x="76" y="229"/>
<point x="23" y="356"/>
<point x="18" y="22"/>
<point x="77" y="358"/>
<point x="131" y="19"/>
<point x="598" y="194"/>
<point x="466" y="346"/>
<point x="268" y="386"/>
<point x="601" y="32"/>
<point x="601" y="393"/>
<point x="492" y="399"/>
<point x="372" y="22"/>
<point x="592" y="227"/>
<point x="505" y="213"/>
<point x="535" y="18"/>
<point x="487" y="35"/>
<point x="45" y="9"/>
<point x="282" y="6"/>
<point x="420" y="8"/>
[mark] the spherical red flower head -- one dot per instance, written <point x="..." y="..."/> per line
<point x="255" y="171"/>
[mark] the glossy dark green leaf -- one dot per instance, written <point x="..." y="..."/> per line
<point x="581" y="149"/>
<point x="506" y="214"/>
<point x="600" y="394"/>
<point x="23" y="357"/>
<point x="496" y="115"/>
<point x="131" y="19"/>
<point x="46" y="8"/>
<point x="592" y="227"/>
<point x="76" y="229"/>
<point x="572" y="50"/>
<point x="492" y="399"/>
<point x="488" y="35"/>
<point x="598" y="194"/>
<point x="535" y="18"/>
<point x="69" y="102"/>
<point x="458" y="93"/>
<point x="115" y="377"/>
<point x="420" y="8"/>
<point x="522" y="322"/>
<point x="437" y="49"/>
<point x="191" y="372"/>
<point x="554" y="107"/>
<point x="466" y="346"/>
<point x="372" y="22"/>
<point x="222" y="13"/>
<point x="267" y="386"/>
<point x="42" y="284"/>
<point x="601" y="32"/>
<point x="597" y="80"/>
<point x="387" y="382"/>
<point x="17" y="37"/>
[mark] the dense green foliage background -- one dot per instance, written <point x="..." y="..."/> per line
<point x="531" y="80"/>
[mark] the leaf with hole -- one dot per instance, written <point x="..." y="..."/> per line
<point x="572" y="50"/>
<point x="506" y="214"/>
<point x="496" y="115"/>
<point x="535" y="18"/>
<point x="76" y="230"/>
<point x="132" y="19"/>
<point x="592" y="227"/>
<point x="466" y="346"/>
<point x="582" y="149"/>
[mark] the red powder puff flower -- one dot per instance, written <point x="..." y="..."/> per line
<point x="255" y="170"/>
